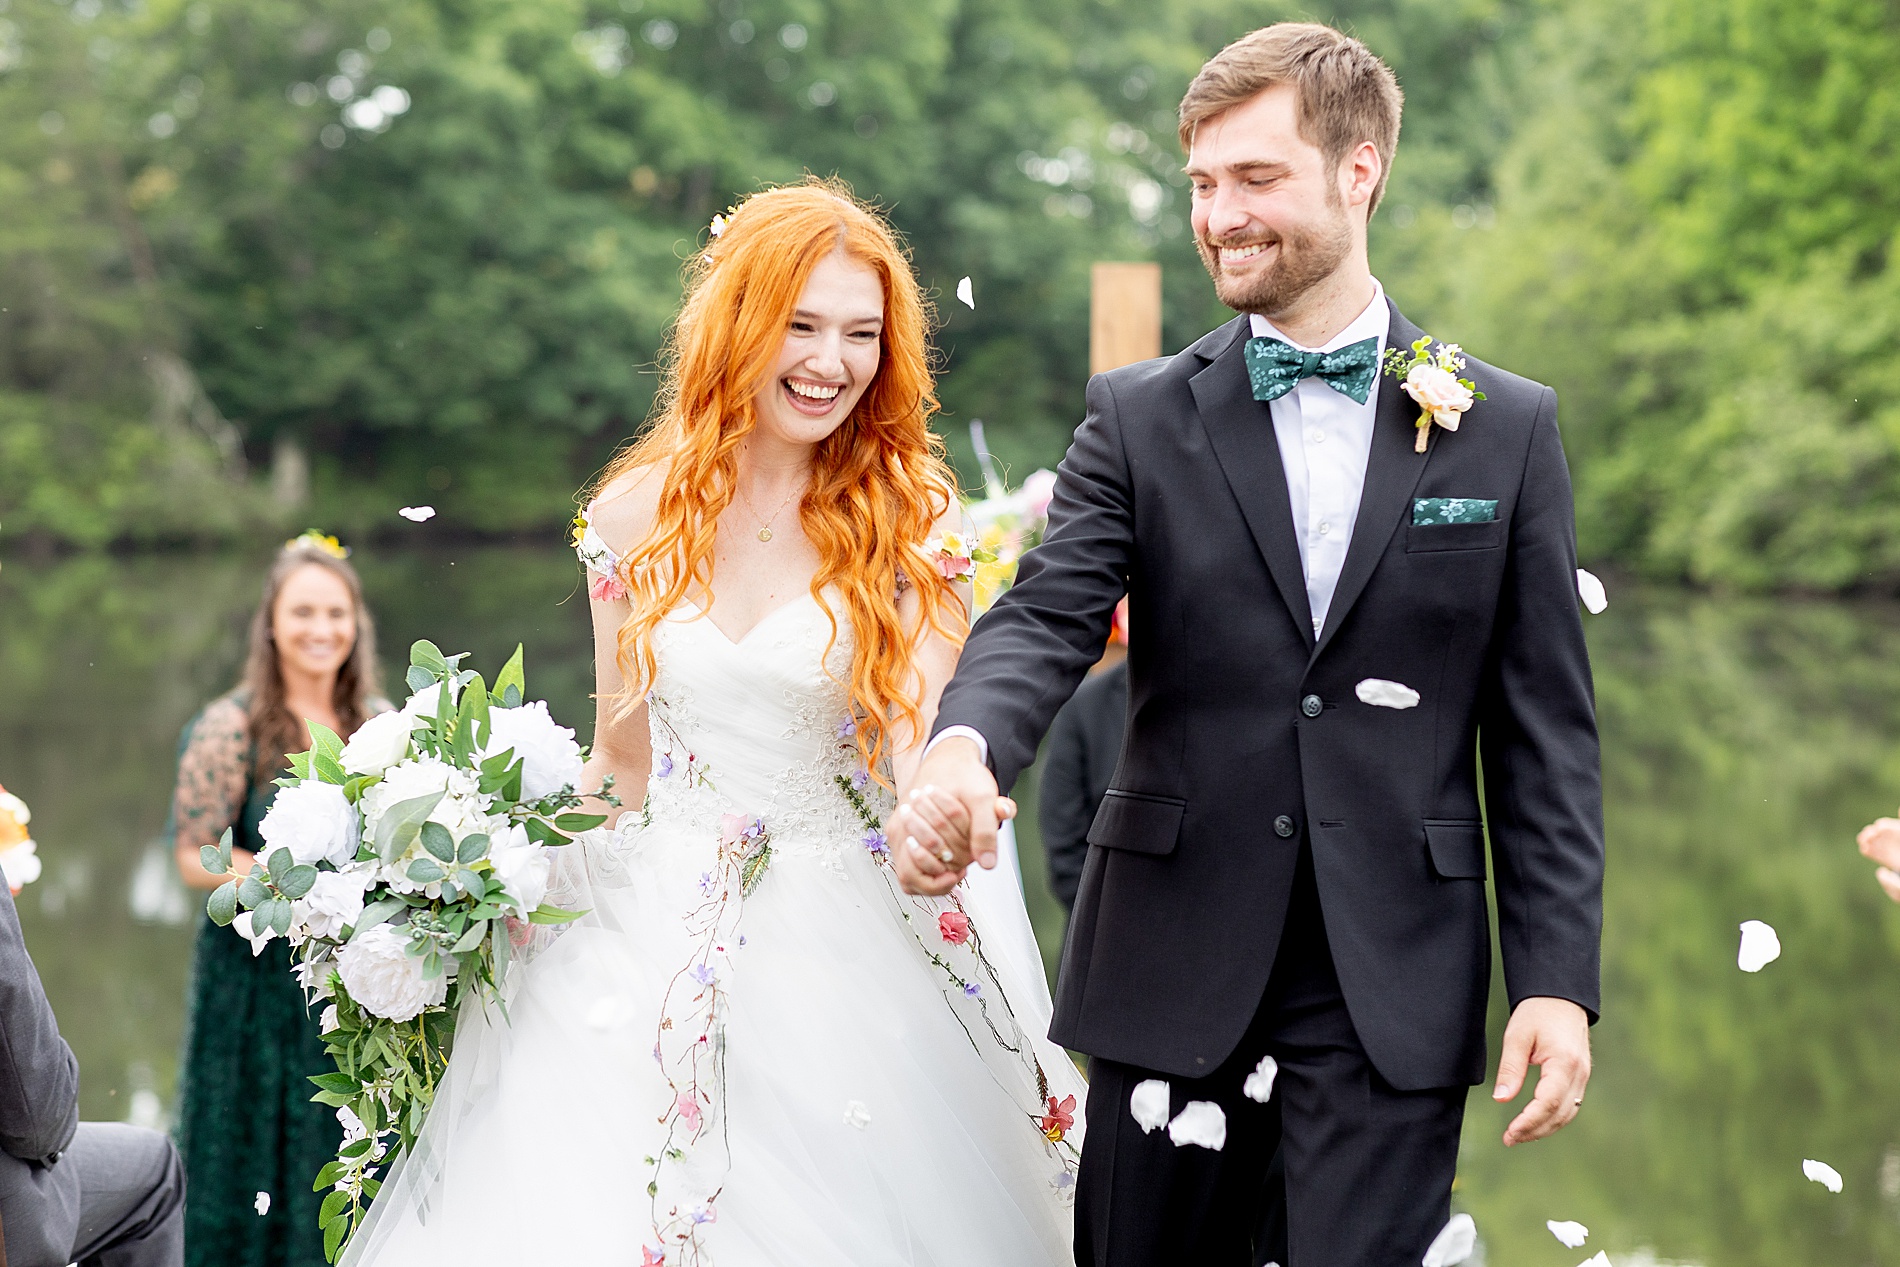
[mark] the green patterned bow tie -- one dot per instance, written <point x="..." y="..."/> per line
<point x="1275" y="368"/>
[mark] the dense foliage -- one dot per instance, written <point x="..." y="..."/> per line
<point x="425" y="250"/>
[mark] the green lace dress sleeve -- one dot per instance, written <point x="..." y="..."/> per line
<point x="245" y="1121"/>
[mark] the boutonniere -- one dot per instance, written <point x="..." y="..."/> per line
<point x="1429" y="376"/>
<point x="956" y="557"/>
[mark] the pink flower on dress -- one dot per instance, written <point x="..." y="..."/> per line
<point x="688" y="1107"/>
<point x="606" y="589"/>
<point x="954" y="927"/>
<point x="519" y="931"/>
<point x="1060" y="1119"/>
<point x="1439" y="393"/>
<point x="651" y="1257"/>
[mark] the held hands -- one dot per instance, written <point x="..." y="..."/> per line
<point x="1554" y="1035"/>
<point x="947" y="821"/>
<point x="1880" y="840"/>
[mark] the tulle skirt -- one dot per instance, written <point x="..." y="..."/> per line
<point x="878" y="1099"/>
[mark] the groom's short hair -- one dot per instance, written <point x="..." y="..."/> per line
<point x="1346" y="94"/>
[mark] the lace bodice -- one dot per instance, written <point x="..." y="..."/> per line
<point x="759" y="729"/>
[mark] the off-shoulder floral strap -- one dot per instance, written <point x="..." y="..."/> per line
<point x="605" y="582"/>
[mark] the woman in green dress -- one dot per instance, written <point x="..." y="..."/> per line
<point x="251" y="1138"/>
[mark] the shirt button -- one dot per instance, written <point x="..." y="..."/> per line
<point x="1325" y="528"/>
<point x="1283" y="827"/>
<point x="1316" y="436"/>
<point x="1312" y="705"/>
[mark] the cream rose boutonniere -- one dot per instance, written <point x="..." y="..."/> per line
<point x="1429" y="376"/>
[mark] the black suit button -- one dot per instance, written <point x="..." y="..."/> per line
<point x="1311" y="706"/>
<point x="1283" y="826"/>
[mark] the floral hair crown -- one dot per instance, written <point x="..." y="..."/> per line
<point x="314" y="540"/>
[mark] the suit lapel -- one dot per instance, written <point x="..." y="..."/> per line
<point x="1393" y="469"/>
<point x="1240" y="429"/>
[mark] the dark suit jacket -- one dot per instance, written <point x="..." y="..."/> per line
<point x="1078" y="764"/>
<point x="39" y="1110"/>
<point x="1173" y="491"/>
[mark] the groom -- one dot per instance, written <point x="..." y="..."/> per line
<point x="1327" y="627"/>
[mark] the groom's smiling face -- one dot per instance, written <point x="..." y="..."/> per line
<point x="1272" y="216"/>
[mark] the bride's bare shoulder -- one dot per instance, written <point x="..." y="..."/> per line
<point x="623" y="510"/>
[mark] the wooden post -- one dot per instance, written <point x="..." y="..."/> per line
<point x="1124" y="315"/>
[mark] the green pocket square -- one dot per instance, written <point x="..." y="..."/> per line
<point x="1427" y="511"/>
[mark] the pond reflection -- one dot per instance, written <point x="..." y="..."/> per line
<point x="1744" y="743"/>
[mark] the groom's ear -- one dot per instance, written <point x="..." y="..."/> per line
<point x="1361" y="176"/>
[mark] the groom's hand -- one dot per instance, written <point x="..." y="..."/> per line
<point x="947" y="820"/>
<point x="1554" y="1035"/>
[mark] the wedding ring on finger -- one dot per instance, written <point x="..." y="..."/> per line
<point x="945" y="856"/>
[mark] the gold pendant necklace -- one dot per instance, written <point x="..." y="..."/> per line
<point x="765" y="526"/>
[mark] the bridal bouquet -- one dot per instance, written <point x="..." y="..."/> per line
<point x="403" y="867"/>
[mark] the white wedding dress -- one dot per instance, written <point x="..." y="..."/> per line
<point x="754" y="1050"/>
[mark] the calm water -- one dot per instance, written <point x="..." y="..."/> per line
<point x="1744" y="743"/>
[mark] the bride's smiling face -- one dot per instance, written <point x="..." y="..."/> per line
<point x="829" y="356"/>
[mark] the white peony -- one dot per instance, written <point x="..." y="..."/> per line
<point x="463" y="808"/>
<point x="550" y="758"/>
<point x="522" y="866"/>
<point x="20" y="864"/>
<point x="424" y="703"/>
<point x="385" y="979"/>
<point x="315" y="821"/>
<point x="334" y="901"/>
<point x="378" y="743"/>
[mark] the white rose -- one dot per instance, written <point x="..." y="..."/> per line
<point x="385" y="979"/>
<point x="20" y="864"/>
<point x="315" y="821"/>
<point x="333" y="902"/>
<point x="424" y="703"/>
<point x="378" y="743"/>
<point x="522" y="866"/>
<point x="550" y="758"/>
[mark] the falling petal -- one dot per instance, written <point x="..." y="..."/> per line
<point x="1760" y="946"/>
<point x="417" y="514"/>
<point x="1570" y="1234"/>
<point x="1383" y="694"/>
<point x="966" y="295"/>
<point x="1598" y="1259"/>
<point x="1453" y="1244"/>
<point x="856" y="1114"/>
<point x="1149" y="1104"/>
<point x="1202" y="1122"/>
<point x="1259" y="1084"/>
<point x="1590" y="589"/>
<point x="1823" y="1174"/>
<point x="262" y="1204"/>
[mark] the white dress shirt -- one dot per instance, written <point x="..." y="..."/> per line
<point x="1325" y="440"/>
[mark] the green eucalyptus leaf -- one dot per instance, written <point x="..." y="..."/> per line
<point x="418" y="679"/>
<point x="211" y="858"/>
<point x="378" y="912"/>
<point x="280" y="913"/>
<point x="424" y="654"/>
<point x="224" y="847"/>
<point x="425" y="871"/>
<point x="297" y="881"/>
<point x="396" y="830"/>
<point x="474" y="847"/>
<point x="436" y="839"/>
<point x="222" y="904"/>
<point x="252" y="892"/>
<point x="279" y="864"/>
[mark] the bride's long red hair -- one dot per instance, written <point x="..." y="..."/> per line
<point x="879" y="483"/>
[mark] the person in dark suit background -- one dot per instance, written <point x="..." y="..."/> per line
<point x="1084" y="743"/>
<point x="100" y="1194"/>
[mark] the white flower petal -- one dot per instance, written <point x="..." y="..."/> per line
<point x="1383" y="694"/>
<point x="245" y="926"/>
<point x="1590" y="589"/>
<point x="1823" y="1174"/>
<point x="262" y="1203"/>
<point x="1453" y="1244"/>
<point x="329" y="1020"/>
<point x="1760" y="946"/>
<point x="1598" y="1259"/>
<point x="1149" y="1104"/>
<point x="856" y="1114"/>
<point x="966" y="295"/>
<point x="1259" y="1084"/>
<point x="417" y="514"/>
<point x="1568" y="1233"/>
<point x="1202" y="1122"/>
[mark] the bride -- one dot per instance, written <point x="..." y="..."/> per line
<point x="755" y="1049"/>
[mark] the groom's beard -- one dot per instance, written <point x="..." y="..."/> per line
<point x="1307" y="257"/>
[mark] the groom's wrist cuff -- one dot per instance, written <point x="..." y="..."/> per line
<point x="964" y="732"/>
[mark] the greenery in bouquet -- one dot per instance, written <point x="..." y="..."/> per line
<point x="404" y="867"/>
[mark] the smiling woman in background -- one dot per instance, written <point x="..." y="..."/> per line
<point x="252" y="1140"/>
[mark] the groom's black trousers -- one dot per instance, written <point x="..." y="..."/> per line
<point x="1368" y="1169"/>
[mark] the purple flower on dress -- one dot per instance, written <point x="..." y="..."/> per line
<point x="847" y="728"/>
<point x="875" y="842"/>
<point x="703" y="1215"/>
<point x="861" y="780"/>
<point x="972" y="990"/>
<point x="707" y="882"/>
<point x="666" y="766"/>
<point x="704" y="974"/>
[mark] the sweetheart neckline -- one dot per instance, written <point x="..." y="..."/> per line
<point x="760" y="623"/>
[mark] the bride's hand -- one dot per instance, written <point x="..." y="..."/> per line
<point x="929" y="837"/>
